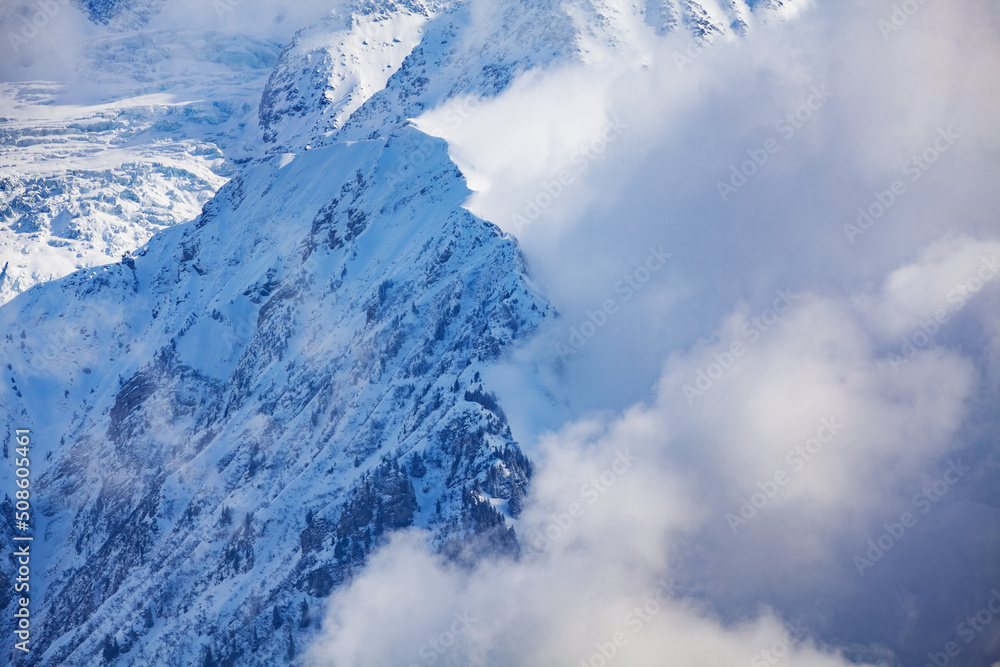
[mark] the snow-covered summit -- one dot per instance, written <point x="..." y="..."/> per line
<point x="362" y="72"/>
<point x="275" y="387"/>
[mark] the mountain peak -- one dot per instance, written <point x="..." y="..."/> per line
<point x="284" y="381"/>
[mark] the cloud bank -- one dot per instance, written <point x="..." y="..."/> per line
<point x="777" y="267"/>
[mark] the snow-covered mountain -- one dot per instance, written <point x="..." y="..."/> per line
<point x="227" y="423"/>
<point x="90" y="172"/>
<point x="158" y="118"/>
<point x="271" y="388"/>
<point x="356" y="75"/>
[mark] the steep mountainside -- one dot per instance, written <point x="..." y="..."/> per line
<point x="226" y="424"/>
<point x="89" y="172"/>
<point x="391" y="61"/>
<point x="237" y="416"/>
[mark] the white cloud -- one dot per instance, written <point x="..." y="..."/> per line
<point x="832" y="360"/>
<point x="949" y="275"/>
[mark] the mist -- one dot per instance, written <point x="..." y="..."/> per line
<point x="775" y="262"/>
<point x="44" y="40"/>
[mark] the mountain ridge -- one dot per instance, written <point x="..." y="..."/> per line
<point x="230" y="419"/>
<point x="367" y="353"/>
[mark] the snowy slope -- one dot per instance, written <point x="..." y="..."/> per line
<point x="228" y="423"/>
<point x="291" y="352"/>
<point x="156" y="119"/>
<point x="421" y="54"/>
<point x="334" y="66"/>
<point x="89" y="172"/>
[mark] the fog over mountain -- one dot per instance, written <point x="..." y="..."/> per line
<point x="507" y="332"/>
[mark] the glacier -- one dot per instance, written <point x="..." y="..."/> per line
<point x="90" y="170"/>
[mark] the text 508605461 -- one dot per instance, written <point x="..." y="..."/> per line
<point x="22" y="539"/>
